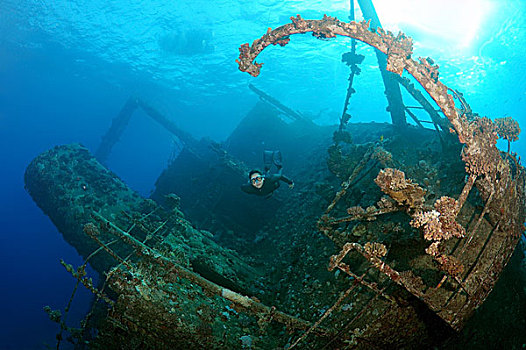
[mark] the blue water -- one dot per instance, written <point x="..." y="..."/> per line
<point x="67" y="68"/>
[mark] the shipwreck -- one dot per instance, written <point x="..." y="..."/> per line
<point x="393" y="236"/>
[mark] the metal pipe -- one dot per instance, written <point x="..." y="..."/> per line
<point x="392" y="89"/>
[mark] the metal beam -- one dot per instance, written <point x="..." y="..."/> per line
<point x="120" y="123"/>
<point x="118" y="126"/>
<point x="392" y="89"/>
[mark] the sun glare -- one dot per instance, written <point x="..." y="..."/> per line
<point x="435" y="23"/>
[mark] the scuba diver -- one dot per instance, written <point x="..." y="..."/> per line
<point x="264" y="184"/>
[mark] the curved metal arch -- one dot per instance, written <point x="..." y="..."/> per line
<point x="398" y="50"/>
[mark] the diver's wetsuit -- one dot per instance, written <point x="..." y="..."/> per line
<point x="271" y="181"/>
<point x="270" y="184"/>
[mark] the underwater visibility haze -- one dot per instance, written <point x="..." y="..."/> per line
<point x="392" y="213"/>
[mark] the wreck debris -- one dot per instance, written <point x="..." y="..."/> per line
<point x="447" y="207"/>
<point x="79" y="274"/>
<point x="352" y="60"/>
<point x="326" y="314"/>
<point x="502" y="191"/>
<point x="379" y="155"/>
<point x="392" y="89"/>
<point x="271" y="100"/>
<point x="414" y="117"/>
<point x="155" y="257"/>
<point x="120" y="122"/>
<point x="367" y="156"/>
<point x="374" y="254"/>
<point x="437" y="224"/>
<point x="448" y="263"/>
<point x="437" y="120"/>
<point x="86" y="281"/>
<point x="144" y="249"/>
<point x="118" y="125"/>
<point x="165" y="298"/>
<point x="376" y="153"/>
<point x="55" y="180"/>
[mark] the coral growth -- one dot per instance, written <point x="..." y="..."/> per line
<point x="433" y="249"/>
<point x="450" y="264"/>
<point x="403" y="191"/>
<point x="439" y="224"/>
<point x="356" y="211"/>
<point x="381" y="155"/>
<point x="508" y="128"/>
<point x="480" y="154"/>
<point x="398" y="48"/>
<point x="376" y="249"/>
<point x="430" y="224"/>
<point x="385" y="203"/>
<point x="447" y="207"/>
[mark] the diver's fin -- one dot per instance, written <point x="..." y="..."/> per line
<point x="276" y="157"/>
<point x="267" y="159"/>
